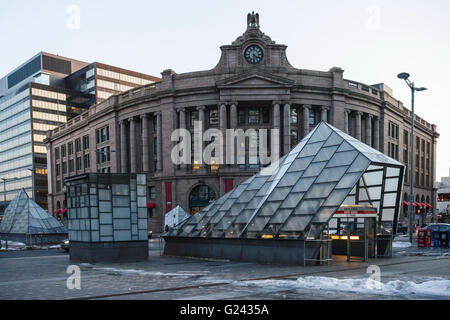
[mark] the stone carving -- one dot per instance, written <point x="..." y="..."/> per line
<point x="253" y="20"/>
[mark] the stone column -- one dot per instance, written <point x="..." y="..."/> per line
<point x="233" y="125"/>
<point x="158" y="141"/>
<point x="123" y="147"/>
<point x="369" y="129"/>
<point x="276" y="123"/>
<point x="324" y="113"/>
<point x="145" y="136"/>
<point x="346" y="117"/>
<point x="286" y="128"/>
<point x="182" y="118"/>
<point x="132" y="122"/>
<point x="202" y="118"/>
<point x="306" y="109"/>
<point x="223" y="127"/>
<point x="233" y="115"/>
<point x="358" y="125"/>
<point x="376" y="133"/>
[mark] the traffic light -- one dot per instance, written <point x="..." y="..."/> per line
<point x="418" y="211"/>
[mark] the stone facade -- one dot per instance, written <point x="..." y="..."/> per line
<point x="271" y="94"/>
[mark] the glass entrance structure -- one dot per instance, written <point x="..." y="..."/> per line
<point x="290" y="202"/>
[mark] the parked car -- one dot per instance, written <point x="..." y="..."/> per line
<point x="438" y="226"/>
<point x="65" y="245"/>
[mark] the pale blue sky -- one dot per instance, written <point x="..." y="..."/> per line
<point x="371" y="40"/>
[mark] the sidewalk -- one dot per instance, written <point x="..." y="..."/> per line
<point x="402" y="247"/>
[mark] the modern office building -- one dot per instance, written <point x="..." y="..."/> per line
<point x="40" y="95"/>
<point x="253" y="86"/>
<point x="443" y="199"/>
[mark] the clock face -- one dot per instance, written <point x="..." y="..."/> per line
<point x="253" y="54"/>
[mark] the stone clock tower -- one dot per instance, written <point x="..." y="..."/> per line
<point x="238" y="56"/>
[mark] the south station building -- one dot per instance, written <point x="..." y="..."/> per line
<point x="252" y="86"/>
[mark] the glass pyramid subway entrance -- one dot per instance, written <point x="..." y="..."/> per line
<point x="23" y="217"/>
<point x="296" y="197"/>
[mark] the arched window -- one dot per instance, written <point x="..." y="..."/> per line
<point x="58" y="205"/>
<point x="200" y="197"/>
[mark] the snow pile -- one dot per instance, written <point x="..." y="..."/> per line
<point x="437" y="288"/>
<point x="180" y="274"/>
<point x="13" y="245"/>
<point x="401" y="244"/>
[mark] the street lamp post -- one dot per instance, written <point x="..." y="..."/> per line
<point x="405" y="76"/>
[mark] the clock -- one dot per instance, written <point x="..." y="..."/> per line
<point x="253" y="54"/>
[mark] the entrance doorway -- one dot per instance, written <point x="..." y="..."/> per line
<point x="354" y="233"/>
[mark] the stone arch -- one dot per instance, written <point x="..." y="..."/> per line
<point x="200" y="195"/>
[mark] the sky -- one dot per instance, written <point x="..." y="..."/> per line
<point x="372" y="41"/>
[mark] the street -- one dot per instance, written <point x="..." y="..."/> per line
<point x="42" y="274"/>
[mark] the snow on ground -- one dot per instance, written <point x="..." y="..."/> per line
<point x="181" y="274"/>
<point x="436" y="288"/>
<point x="401" y="244"/>
<point x="13" y="245"/>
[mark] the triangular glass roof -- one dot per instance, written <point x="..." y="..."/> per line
<point x="24" y="216"/>
<point x="296" y="196"/>
<point x="175" y="216"/>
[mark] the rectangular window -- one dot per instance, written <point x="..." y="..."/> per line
<point x="78" y="145"/>
<point x="85" y="142"/>
<point x="253" y="116"/>
<point x="152" y="193"/>
<point x="63" y="151"/>
<point x="64" y="167"/>
<point x="155" y="145"/>
<point x="56" y="153"/>
<point x="102" y="134"/>
<point x="193" y="118"/>
<point x="312" y="117"/>
<point x="87" y="161"/>
<point x="57" y="169"/>
<point x="78" y="163"/>
<point x="393" y="130"/>
<point x="294" y="116"/>
<point x="266" y="115"/>
<point x="70" y="148"/>
<point x="71" y="165"/>
<point x="241" y="116"/>
<point x="155" y="123"/>
<point x="213" y="117"/>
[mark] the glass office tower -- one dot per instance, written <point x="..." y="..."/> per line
<point x="40" y="95"/>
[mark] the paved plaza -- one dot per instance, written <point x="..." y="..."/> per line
<point x="42" y="274"/>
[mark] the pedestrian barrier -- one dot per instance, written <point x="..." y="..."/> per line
<point x="436" y="238"/>
<point x="443" y="238"/>
<point x="424" y="238"/>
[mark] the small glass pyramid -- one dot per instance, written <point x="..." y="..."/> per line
<point x="24" y="216"/>
<point x="297" y="196"/>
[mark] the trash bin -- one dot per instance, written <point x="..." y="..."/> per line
<point x="443" y="238"/>
<point x="436" y="238"/>
<point x="384" y="245"/>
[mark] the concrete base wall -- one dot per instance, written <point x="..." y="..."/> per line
<point x="249" y="250"/>
<point x="126" y="251"/>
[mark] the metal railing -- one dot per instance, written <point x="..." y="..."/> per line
<point x="324" y="251"/>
